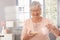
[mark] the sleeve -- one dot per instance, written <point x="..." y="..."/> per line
<point x="24" y="30"/>
<point x="50" y="24"/>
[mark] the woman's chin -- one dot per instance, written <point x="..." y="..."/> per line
<point x="36" y="17"/>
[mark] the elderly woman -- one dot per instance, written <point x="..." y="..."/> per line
<point x="38" y="28"/>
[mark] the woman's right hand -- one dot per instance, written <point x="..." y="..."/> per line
<point x="30" y="35"/>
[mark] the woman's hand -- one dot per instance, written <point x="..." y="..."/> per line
<point x="30" y="35"/>
<point x="54" y="30"/>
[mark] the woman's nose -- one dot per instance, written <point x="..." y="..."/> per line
<point x="35" y="13"/>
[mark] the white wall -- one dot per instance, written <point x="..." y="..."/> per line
<point x="3" y="4"/>
<point x="10" y="12"/>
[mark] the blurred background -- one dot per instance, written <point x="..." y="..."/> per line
<point x="13" y="13"/>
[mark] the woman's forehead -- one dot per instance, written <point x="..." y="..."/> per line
<point x="35" y="7"/>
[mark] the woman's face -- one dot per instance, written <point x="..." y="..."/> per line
<point x="35" y="11"/>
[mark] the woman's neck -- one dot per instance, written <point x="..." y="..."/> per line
<point x="36" y="19"/>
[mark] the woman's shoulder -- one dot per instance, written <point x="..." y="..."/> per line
<point x="47" y="20"/>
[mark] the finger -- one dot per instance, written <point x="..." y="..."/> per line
<point x="29" y="32"/>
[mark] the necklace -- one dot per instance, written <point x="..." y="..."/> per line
<point x="36" y="26"/>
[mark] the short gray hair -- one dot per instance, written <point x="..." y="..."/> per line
<point x="34" y="3"/>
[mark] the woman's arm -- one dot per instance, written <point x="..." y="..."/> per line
<point x="25" y="35"/>
<point x="53" y="29"/>
<point x="29" y="36"/>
